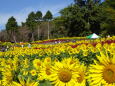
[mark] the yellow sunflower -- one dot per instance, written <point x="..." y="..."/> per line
<point x="23" y="82"/>
<point x="33" y="72"/>
<point x="103" y="71"/>
<point x="80" y="68"/>
<point x="7" y="78"/>
<point x="81" y="80"/>
<point x="47" y="60"/>
<point x="71" y="61"/>
<point x="45" y="72"/>
<point x="37" y="63"/>
<point x="63" y="74"/>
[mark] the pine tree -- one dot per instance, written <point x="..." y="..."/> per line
<point x="39" y="20"/>
<point x="12" y="27"/>
<point x="31" y="23"/>
<point x="48" y="17"/>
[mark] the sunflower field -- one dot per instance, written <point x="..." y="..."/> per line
<point x="63" y="63"/>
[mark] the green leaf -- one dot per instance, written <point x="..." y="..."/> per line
<point x="45" y="83"/>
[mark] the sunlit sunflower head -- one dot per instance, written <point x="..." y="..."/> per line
<point x="45" y="72"/>
<point x="47" y="60"/>
<point x="37" y="63"/>
<point x="103" y="71"/>
<point x="63" y="74"/>
<point x="71" y="61"/>
<point x="81" y="80"/>
<point x="7" y="77"/>
<point x="33" y="72"/>
<point x="25" y="82"/>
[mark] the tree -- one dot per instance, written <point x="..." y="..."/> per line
<point x="31" y="23"/>
<point x="109" y="8"/>
<point x="12" y="27"/>
<point x="84" y="17"/>
<point x="38" y="19"/>
<point x="59" y="30"/>
<point x="110" y="3"/>
<point x="48" y="17"/>
<point x="80" y="2"/>
<point x="74" y="20"/>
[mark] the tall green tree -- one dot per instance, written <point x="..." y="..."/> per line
<point x="59" y="30"/>
<point x="84" y="17"/>
<point x="80" y="2"/>
<point x="109" y="8"/>
<point x="38" y="20"/>
<point x="11" y="27"/>
<point x="48" y="17"/>
<point x="31" y="23"/>
<point x="110" y="3"/>
<point x="70" y="18"/>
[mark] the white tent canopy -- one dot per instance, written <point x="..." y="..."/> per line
<point x="93" y="36"/>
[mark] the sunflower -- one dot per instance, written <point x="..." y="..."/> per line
<point x="103" y="71"/>
<point x="81" y="80"/>
<point x="63" y="74"/>
<point x="45" y="72"/>
<point x="23" y="82"/>
<point x="7" y="78"/>
<point x="47" y="60"/>
<point x="37" y="63"/>
<point x="71" y="61"/>
<point x="33" y="72"/>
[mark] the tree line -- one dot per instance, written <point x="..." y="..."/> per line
<point x="33" y="22"/>
<point x="81" y="18"/>
<point x="87" y="16"/>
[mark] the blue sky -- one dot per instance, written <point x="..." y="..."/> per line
<point x="21" y="8"/>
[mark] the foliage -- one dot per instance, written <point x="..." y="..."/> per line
<point x="110" y="10"/>
<point x="83" y="19"/>
<point x="38" y="20"/>
<point x="12" y="27"/>
<point x="30" y="21"/>
<point x="59" y="30"/>
<point x="48" y="16"/>
<point x="38" y="16"/>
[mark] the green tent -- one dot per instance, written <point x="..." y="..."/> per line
<point x="93" y="36"/>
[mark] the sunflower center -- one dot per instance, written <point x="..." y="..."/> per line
<point x="48" y="60"/>
<point x="109" y="74"/>
<point x="38" y="64"/>
<point x="48" y="71"/>
<point x="65" y="75"/>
